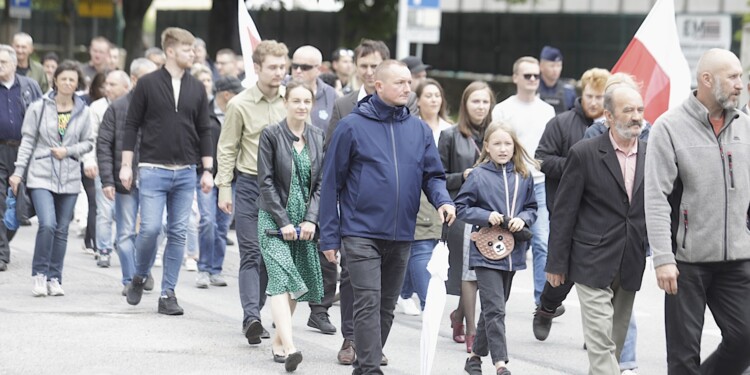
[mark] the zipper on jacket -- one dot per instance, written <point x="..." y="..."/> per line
<point x="731" y="169"/>
<point x="726" y="194"/>
<point x="685" y="223"/>
<point x="398" y="183"/>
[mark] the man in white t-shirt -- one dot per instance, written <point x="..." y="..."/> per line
<point x="528" y="115"/>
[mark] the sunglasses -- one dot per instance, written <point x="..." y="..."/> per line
<point x="304" y="67"/>
<point x="343" y="52"/>
<point x="529" y="76"/>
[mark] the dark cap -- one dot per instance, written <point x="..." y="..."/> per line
<point x="415" y="64"/>
<point x="229" y="83"/>
<point x="550" y="53"/>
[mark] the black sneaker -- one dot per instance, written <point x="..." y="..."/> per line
<point x="135" y="292"/>
<point x="252" y="331"/>
<point x="168" y="304"/>
<point x="473" y="366"/>
<point x="321" y="322"/>
<point x="149" y="286"/>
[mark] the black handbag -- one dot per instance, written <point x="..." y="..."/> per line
<point x="24" y="207"/>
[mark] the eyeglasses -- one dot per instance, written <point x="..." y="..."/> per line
<point x="529" y="76"/>
<point x="304" y="67"/>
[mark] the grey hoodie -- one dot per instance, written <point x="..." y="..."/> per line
<point x="44" y="171"/>
<point x="698" y="186"/>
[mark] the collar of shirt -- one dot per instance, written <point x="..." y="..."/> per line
<point x="10" y="83"/>
<point x="256" y="95"/>
<point x="362" y="93"/>
<point x="633" y="150"/>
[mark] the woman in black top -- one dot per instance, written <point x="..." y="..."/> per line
<point x="459" y="148"/>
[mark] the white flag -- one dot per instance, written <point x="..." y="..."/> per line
<point x="249" y="39"/>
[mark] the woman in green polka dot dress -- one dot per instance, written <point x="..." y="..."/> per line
<point x="290" y="157"/>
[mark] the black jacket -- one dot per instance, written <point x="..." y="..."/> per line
<point x="595" y="232"/>
<point x="275" y="170"/>
<point x="170" y="134"/>
<point x="457" y="154"/>
<point x="561" y="133"/>
<point x="109" y="144"/>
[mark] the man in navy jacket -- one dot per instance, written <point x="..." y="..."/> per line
<point x="378" y="161"/>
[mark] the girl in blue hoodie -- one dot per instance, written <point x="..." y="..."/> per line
<point x="500" y="189"/>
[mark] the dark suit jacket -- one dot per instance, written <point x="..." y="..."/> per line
<point x="345" y="104"/>
<point x="594" y="231"/>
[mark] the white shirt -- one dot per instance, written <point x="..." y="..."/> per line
<point x="96" y="110"/>
<point x="529" y="121"/>
<point x="176" y="85"/>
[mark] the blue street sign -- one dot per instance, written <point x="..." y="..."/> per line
<point x="20" y="8"/>
<point x="424" y="3"/>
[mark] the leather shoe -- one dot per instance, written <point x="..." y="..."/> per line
<point x="278" y="358"/>
<point x="292" y="361"/>
<point x="321" y="322"/>
<point x="384" y="360"/>
<point x="348" y="353"/>
<point x="3" y="266"/>
<point x="459" y="335"/>
<point x="542" y="323"/>
<point x="252" y="330"/>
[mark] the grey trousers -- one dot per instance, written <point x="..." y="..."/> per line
<point x="253" y="278"/>
<point x="376" y="271"/>
<point x="494" y="291"/>
<point x="606" y="315"/>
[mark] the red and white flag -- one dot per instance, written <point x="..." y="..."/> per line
<point x="249" y="39"/>
<point x="655" y="58"/>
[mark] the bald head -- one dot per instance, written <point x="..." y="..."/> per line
<point x="392" y="82"/>
<point x="310" y="53"/>
<point x="719" y="80"/>
<point x="306" y="62"/>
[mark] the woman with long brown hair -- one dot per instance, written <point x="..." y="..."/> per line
<point x="460" y="147"/>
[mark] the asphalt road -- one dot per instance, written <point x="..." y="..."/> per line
<point x="92" y="330"/>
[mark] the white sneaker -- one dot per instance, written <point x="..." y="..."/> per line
<point x="191" y="265"/>
<point x="202" y="280"/>
<point x="54" y="288"/>
<point x="40" y="285"/>
<point x="407" y="306"/>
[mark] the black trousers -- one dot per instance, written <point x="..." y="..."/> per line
<point x="552" y="298"/>
<point x="494" y="291"/>
<point x="253" y="278"/>
<point x="89" y="185"/>
<point x="8" y="155"/>
<point x="725" y="288"/>
<point x="329" y="272"/>
<point x="377" y="269"/>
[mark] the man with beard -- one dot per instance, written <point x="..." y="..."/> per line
<point x="598" y="230"/>
<point x="170" y="110"/>
<point x="561" y="133"/>
<point x="697" y="167"/>
<point x="247" y="114"/>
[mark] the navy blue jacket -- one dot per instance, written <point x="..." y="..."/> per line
<point x="484" y="192"/>
<point x="378" y="162"/>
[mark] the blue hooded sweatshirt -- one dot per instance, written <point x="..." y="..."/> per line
<point x="379" y="160"/>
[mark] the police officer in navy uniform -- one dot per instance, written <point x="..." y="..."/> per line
<point x="554" y="92"/>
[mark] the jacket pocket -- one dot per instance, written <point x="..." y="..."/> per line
<point x="684" y="224"/>
<point x="587" y="238"/>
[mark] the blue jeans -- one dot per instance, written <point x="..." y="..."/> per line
<point x="126" y="210"/>
<point x="627" y="356"/>
<point x="105" y="214"/>
<point x="212" y="231"/>
<point x="55" y="211"/>
<point x="417" y="277"/>
<point x="159" y="188"/>
<point x="540" y="230"/>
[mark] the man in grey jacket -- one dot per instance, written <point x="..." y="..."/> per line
<point x="697" y="167"/>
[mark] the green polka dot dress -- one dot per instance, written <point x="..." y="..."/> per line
<point x="293" y="266"/>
